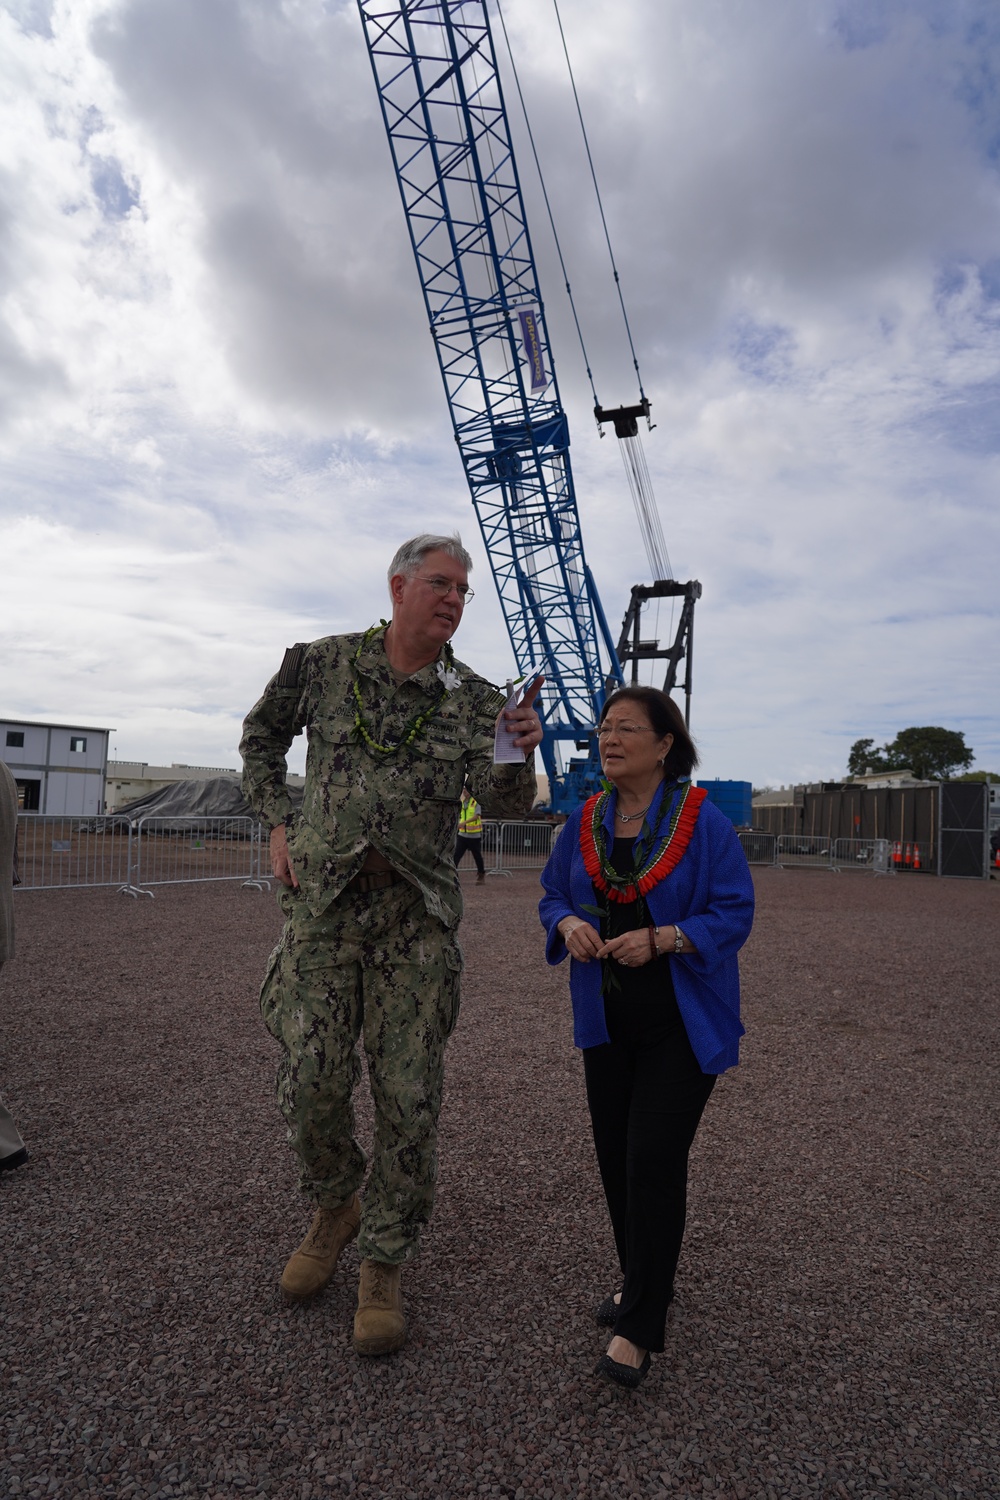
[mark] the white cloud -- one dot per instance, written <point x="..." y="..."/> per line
<point x="219" y="408"/>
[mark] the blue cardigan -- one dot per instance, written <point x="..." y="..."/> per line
<point x="710" y="893"/>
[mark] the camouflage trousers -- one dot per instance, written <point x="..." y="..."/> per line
<point x="381" y="966"/>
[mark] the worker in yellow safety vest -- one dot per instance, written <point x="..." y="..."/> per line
<point x="470" y="834"/>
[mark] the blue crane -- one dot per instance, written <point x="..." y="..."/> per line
<point x="442" y="103"/>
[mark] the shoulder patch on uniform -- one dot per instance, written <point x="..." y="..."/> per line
<point x="488" y="699"/>
<point x="291" y="665"/>
<point x="493" y="699"/>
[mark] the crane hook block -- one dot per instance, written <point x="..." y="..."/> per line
<point x="624" y="417"/>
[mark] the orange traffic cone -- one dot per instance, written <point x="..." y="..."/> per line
<point x="916" y="856"/>
<point x="909" y="855"/>
<point x="897" y="854"/>
<point x="998" y="859"/>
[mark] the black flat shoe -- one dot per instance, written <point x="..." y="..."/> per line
<point x="15" y="1160"/>
<point x="627" y="1376"/>
<point x="607" y="1312"/>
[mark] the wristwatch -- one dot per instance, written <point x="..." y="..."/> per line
<point x="678" y="939"/>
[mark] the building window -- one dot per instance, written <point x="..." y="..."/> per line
<point x="15" y="737"/>
<point x="77" y="742"/>
<point x="28" y="795"/>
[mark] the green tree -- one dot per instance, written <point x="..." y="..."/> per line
<point x="930" y="752"/>
<point x="863" y="757"/>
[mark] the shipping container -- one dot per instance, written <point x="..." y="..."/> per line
<point x="734" y="798"/>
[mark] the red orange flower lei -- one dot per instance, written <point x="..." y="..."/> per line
<point x="662" y="858"/>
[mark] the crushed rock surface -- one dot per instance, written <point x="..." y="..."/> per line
<point x="835" y="1328"/>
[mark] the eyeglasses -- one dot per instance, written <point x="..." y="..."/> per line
<point x="623" y="730"/>
<point x="443" y="587"/>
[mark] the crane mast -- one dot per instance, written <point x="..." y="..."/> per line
<point x="436" y="74"/>
<point x="442" y="104"/>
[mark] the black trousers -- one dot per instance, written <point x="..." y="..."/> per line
<point x="646" y="1094"/>
<point x="476" y="845"/>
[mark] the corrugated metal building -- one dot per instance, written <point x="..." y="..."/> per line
<point x="835" y="810"/>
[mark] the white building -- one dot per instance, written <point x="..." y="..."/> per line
<point x="892" y="779"/>
<point x="59" y="768"/>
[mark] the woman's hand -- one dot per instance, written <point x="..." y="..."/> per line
<point x="631" y="949"/>
<point x="582" y="941"/>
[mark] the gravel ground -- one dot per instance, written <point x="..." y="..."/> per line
<point x="834" y="1332"/>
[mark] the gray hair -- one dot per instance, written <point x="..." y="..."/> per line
<point x="412" y="553"/>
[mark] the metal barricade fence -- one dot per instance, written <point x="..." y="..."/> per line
<point x="863" y="854"/>
<point x="57" y="853"/>
<point x="173" y="851"/>
<point x="523" y="846"/>
<point x="759" y="848"/>
<point x="805" y="851"/>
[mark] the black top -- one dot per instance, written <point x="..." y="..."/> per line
<point x="649" y="988"/>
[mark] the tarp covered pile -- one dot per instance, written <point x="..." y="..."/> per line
<point x="217" y="797"/>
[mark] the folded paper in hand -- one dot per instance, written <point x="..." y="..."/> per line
<point x="505" y="752"/>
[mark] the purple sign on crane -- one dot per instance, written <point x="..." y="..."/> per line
<point x="533" y="347"/>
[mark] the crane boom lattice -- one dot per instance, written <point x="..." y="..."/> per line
<point x="442" y="103"/>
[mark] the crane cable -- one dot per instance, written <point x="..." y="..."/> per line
<point x="597" y="190"/>
<point x="641" y="487"/>
<point x="548" y="205"/>
<point x="633" y="457"/>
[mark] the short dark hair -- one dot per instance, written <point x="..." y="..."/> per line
<point x="666" y="718"/>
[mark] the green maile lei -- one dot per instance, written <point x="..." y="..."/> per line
<point x="447" y="675"/>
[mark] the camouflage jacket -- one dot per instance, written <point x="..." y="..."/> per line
<point x="403" y="805"/>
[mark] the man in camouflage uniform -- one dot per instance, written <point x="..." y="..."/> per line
<point x="372" y="905"/>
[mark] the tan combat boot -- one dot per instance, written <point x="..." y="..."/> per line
<point x="379" y="1325"/>
<point x="315" y="1261"/>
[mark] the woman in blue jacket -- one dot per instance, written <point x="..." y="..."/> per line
<point x="649" y="893"/>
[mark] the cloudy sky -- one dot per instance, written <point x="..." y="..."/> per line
<point x="220" y="409"/>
